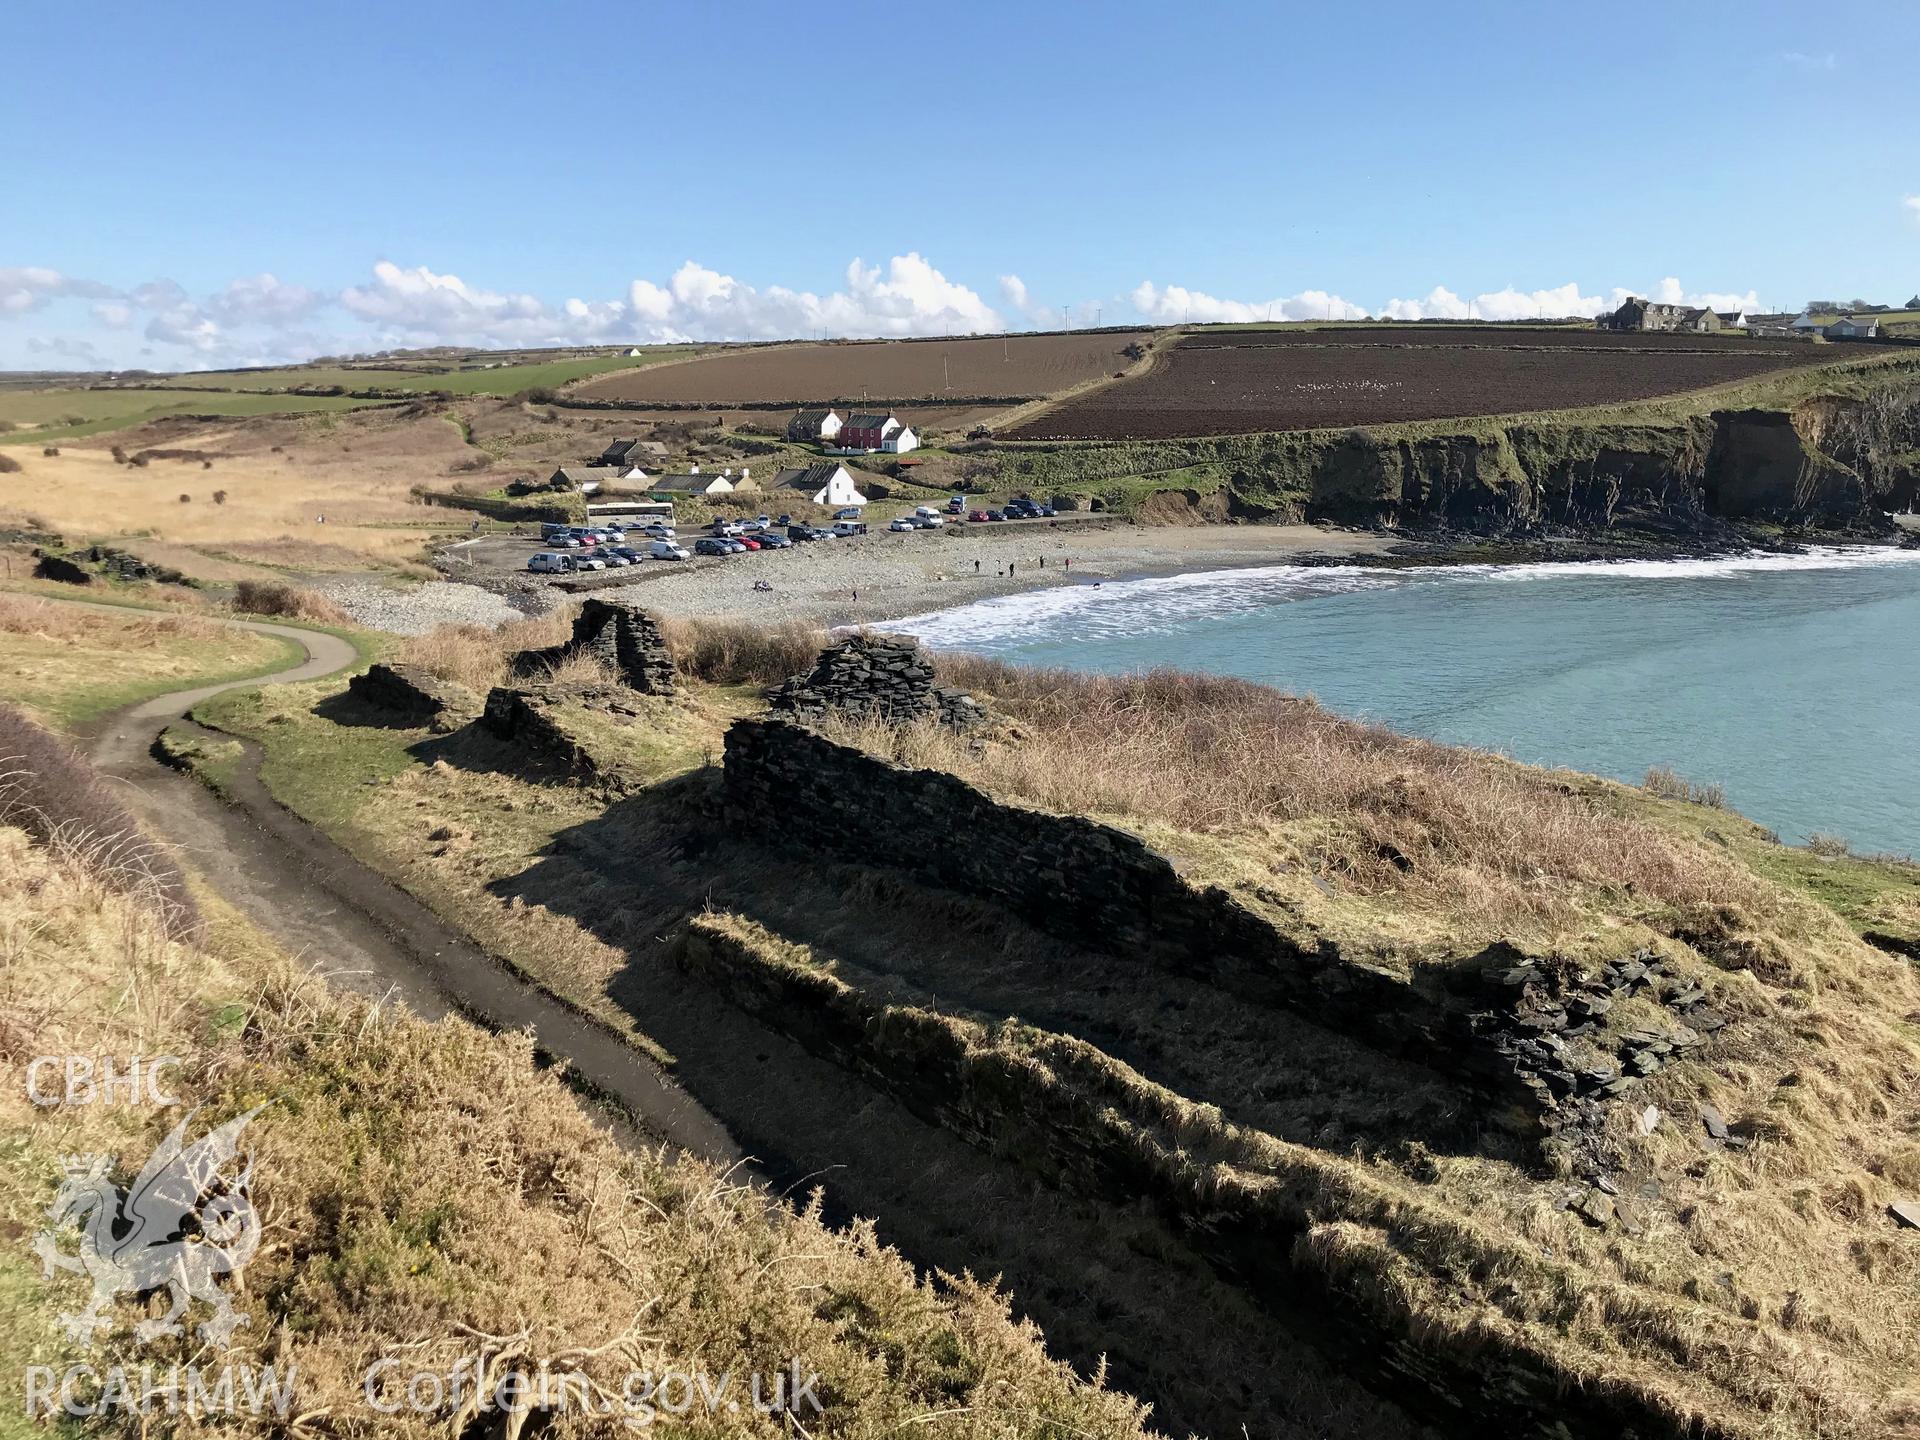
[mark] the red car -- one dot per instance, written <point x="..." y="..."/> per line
<point x="749" y="542"/>
<point x="977" y="515"/>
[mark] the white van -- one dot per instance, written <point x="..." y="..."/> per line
<point x="666" y="550"/>
<point x="548" y="563"/>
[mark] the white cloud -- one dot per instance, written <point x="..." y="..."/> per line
<point x="1176" y="305"/>
<point x="264" y="300"/>
<point x="426" y="308"/>
<point x="1440" y="303"/>
<point x="28" y="287"/>
<point x="1671" y="292"/>
<point x="1912" y="206"/>
<point x="113" y="314"/>
<point x="1013" y="290"/>
<point x="908" y="297"/>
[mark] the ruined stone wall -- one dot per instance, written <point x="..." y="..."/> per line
<point x="416" y="697"/>
<point x="531" y="720"/>
<point x="624" y="636"/>
<point x="1533" y="1039"/>
<point x="1267" y="1214"/>
<point x="878" y="677"/>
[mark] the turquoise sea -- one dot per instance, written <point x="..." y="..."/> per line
<point x="1792" y="680"/>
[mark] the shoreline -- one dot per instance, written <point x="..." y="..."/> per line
<point x="885" y="577"/>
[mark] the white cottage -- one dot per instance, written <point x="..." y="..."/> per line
<point x="822" y="484"/>
<point x="899" y="442"/>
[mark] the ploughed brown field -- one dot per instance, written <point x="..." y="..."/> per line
<point x="878" y="371"/>
<point x="1310" y="379"/>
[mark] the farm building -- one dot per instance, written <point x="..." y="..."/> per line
<point x="1853" y="327"/>
<point x="583" y="477"/>
<point x="814" y="425"/>
<point x="866" y="432"/>
<point x="822" y="484"/>
<point x="695" y="483"/>
<point x="1640" y="314"/>
<point x="900" y="441"/>
<point x="631" y="452"/>
<point x="1806" y="324"/>
<point x="1731" y="319"/>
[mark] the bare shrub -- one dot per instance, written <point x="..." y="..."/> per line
<point x="1663" y="782"/>
<point x="50" y="451"/>
<point x="9" y="465"/>
<point x="53" y="794"/>
<point x="274" y="597"/>
<point x="219" y="497"/>
<point x="723" y="652"/>
<point x="1830" y="847"/>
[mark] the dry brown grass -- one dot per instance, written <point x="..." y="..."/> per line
<point x="1493" y="844"/>
<point x="723" y="652"/>
<point x="291" y="602"/>
<point x="477" y="656"/>
<point x="423" y="1187"/>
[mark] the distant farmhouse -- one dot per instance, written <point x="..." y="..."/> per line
<point x="587" y="478"/>
<point x="822" y="484"/>
<point x="1641" y="314"/>
<point x="631" y="452"/>
<point x="865" y="434"/>
<point x="1853" y="327"/>
<point x="822" y="425"/>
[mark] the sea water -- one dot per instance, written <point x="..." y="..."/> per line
<point x="1791" y="680"/>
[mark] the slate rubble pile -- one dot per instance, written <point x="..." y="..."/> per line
<point x="879" y="677"/>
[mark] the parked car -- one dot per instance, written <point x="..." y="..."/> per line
<point x="613" y="559"/>
<point x="957" y="505"/>
<point x="727" y="528"/>
<point x="852" y="512"/>
<point x="552" y="529"/>
<point x="996" y="514"/>
<point x="977" y="516"/>
<point x="659" y="531"/>
<point x="772" y="540"/>
<point x="848" y="528"/>
<point x="711" y="545"/>
<point x="750" y="542"/>
<point x="903" y="524"/>
<point x="589" y="562"/>
<point x="735" y="547"/>
<point x="784" y="520"/>
<point x="929" y="522"/>
<point x="666" y="550"/>
<point x="548" y="562"/>
<point x="628" y="554"/>
<point x="803" y="533"/>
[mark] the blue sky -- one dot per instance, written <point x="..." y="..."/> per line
<point x="222" y="183"/>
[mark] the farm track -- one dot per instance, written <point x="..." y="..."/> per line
<point x="326" y="907"/>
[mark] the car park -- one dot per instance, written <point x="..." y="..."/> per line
<point x="666" y="550"/>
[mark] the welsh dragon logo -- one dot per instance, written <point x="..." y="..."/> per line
<point x="186" y="1220"/>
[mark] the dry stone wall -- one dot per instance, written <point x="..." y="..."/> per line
<point x="624" y="636"/>
<point x="877" y="677"/>
<point x="415" y="696"/>
<point x="1265" y="1214"/>
<point x="1529" y="1038"/>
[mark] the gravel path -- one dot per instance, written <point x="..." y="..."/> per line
<point x="417" y="610"/>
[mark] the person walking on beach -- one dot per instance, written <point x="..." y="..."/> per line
<point x="976" y="567"/>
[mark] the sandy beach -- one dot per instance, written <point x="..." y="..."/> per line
<point x="884" y="576"/>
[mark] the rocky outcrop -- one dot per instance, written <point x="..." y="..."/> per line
<point x="78" y="567"/>
<point x="624" y="636"/>
<point x="416" y="697"/>
<point x="1769" y="465"/>
<point x="53" y="566"/>
<point x="874" y="677"/>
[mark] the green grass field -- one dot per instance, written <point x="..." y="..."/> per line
<point x="70" y="414"/>
<point x="476" y="380"/>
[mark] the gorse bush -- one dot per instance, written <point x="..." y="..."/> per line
<point x="53" y="794"/>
